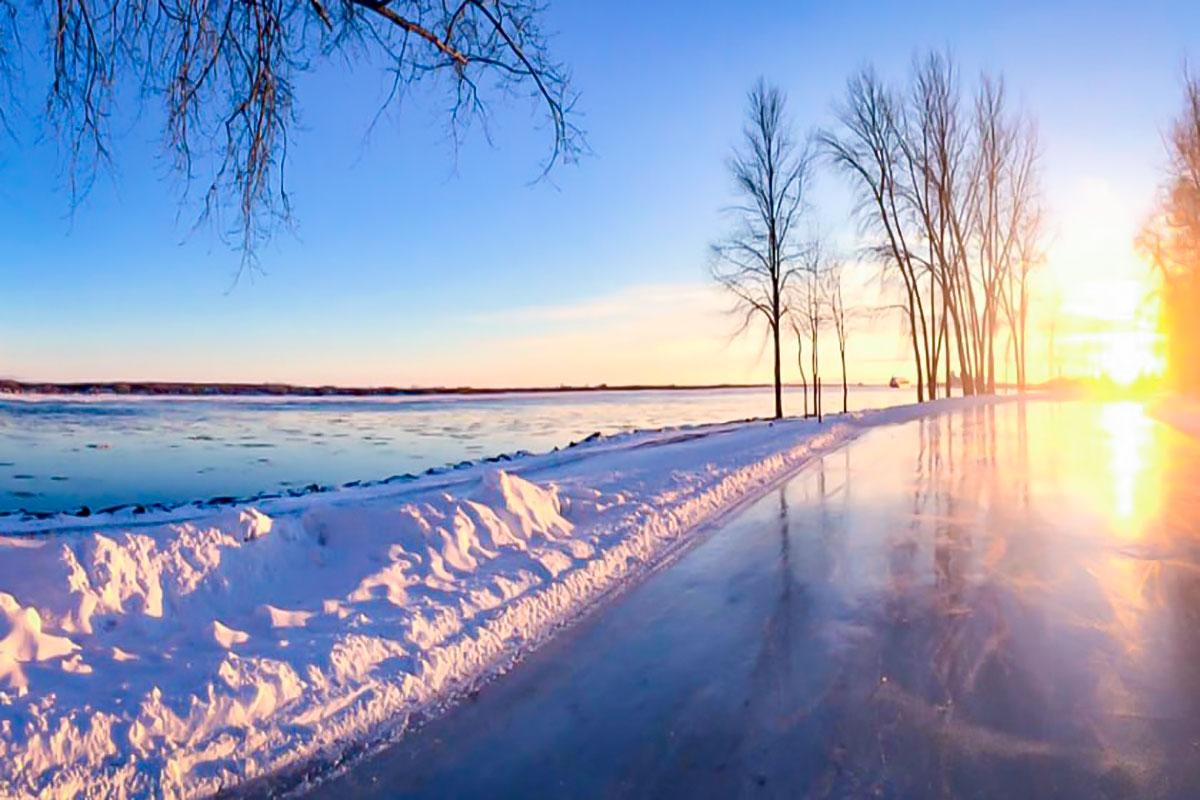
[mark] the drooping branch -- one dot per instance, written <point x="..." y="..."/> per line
<point x="385" y="10"/>
<point x="225" y="72"/>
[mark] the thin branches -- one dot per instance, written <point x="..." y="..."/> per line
<point x="10" y="45"/>
<point x="226" y="70"/>
<point x="949" y="194"/>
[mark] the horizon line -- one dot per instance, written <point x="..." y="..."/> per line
<point x="281" y="388"/>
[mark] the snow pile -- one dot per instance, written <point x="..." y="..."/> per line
<point x="186" y="656"/>
<point x="24" y="642"/>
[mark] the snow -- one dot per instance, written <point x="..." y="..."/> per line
<point x="190" y="652"/>
<point x="25" y="643"/>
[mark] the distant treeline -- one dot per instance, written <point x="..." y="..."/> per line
<point x="166" y="388"/>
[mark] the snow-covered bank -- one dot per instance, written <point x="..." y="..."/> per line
<point x="186" y="655"/>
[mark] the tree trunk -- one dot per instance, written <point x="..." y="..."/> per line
<point x="803" y="376"/>
<point x="1021" y="375"/>
<point x="778" y="375"/>
<point x="845" y="389"/>
<point x="816" y="369"/>
<point x="932" y="356"/>
<point x="964" y="371"/>
<point x="991" y="351"/>
<point x="912" y="329"/>
<point x="946" y="342"/>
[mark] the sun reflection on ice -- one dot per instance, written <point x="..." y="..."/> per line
<point x="1129" y="574"/>
<point x="1132" y="452"/>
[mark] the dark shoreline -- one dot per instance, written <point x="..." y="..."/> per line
<point x="184" y="389"/>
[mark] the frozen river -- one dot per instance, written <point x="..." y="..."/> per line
<point x="61" y="453"/>
<point x="998" y="602"/>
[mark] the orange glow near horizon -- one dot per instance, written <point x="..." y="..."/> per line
<point x="1103" y="292"/>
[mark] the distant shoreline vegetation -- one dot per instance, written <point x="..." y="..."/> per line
<point x="185" y="389"/>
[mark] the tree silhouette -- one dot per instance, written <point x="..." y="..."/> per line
<point x="756" y="263"/>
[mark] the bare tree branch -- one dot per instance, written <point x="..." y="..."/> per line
<point x="947" y="197"/>
<point x="225" y="72"/>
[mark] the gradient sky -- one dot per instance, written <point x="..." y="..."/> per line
<point x="413" y="266"/>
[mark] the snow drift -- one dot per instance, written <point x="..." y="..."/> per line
<point x="189" y="654"/>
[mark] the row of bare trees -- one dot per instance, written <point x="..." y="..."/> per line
<point x="1171" y="240"/>
<point x="948" y="191"/>
<point x="948" y="198"/>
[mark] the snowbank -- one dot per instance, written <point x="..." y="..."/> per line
<point x="186" y="655"/>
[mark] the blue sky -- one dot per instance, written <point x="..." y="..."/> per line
<point x="415" y="265"/>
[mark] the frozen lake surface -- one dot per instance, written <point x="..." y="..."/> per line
<point x="62" y="453"/>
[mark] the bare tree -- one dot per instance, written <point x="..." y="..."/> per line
<point x="1028" y="254"/>
<point x="225" y="72"/>
<point x="1008" y="224"/>
<point x="939" y="188"/>
<point x="837" y="315"/>
<point x="811" y="306"/>
<point x="798" y="332"/>
<point x="868" y="151"/>
<point x="756" y="262"/>
<point x="1171" y="239"/>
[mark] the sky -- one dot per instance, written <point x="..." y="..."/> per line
<point x="413" y="263"/>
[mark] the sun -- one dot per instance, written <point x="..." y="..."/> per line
<point x="1104" y="311"/>
<point x="1125" y="356"/>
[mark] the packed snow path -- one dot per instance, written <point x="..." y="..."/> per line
<point x="180" y="653"/>
<point x="998" y="602"/>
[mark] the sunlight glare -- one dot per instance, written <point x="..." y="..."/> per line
<point x="1126" y="356"/>
<point x="1131" y="454"/>
<point x="1106" y="319"/>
